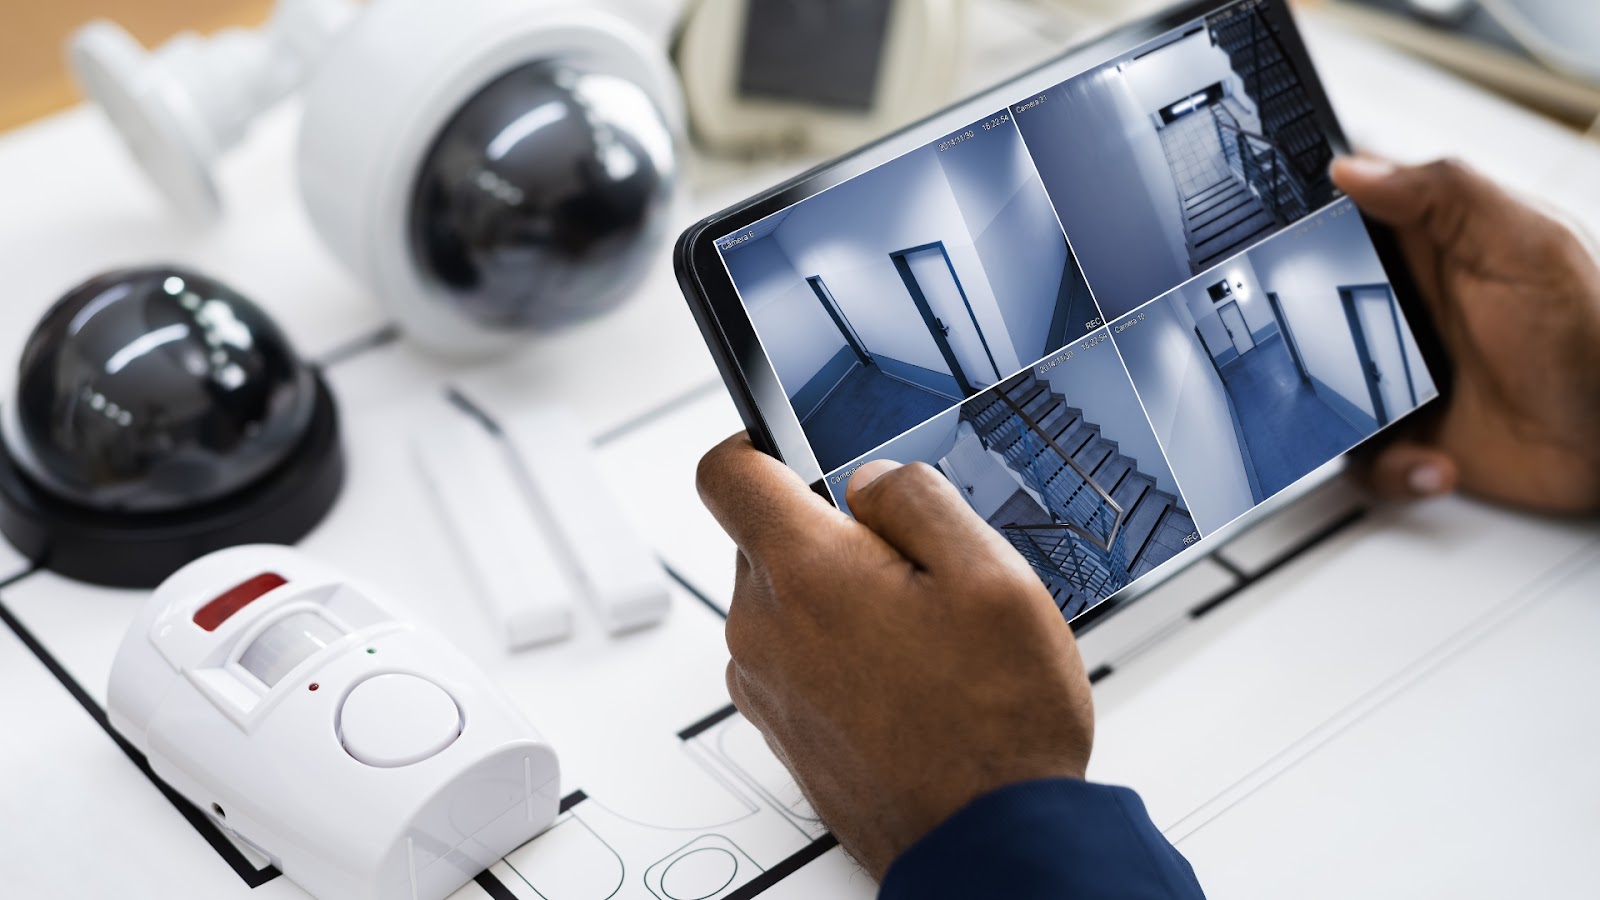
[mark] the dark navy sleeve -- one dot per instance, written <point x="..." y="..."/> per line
<point x="1054" y="839"/>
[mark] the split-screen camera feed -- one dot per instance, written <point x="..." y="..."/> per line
<point x="1116" y="315"/>
<point x="895" y="295"/>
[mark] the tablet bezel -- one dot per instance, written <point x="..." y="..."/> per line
<point x="743" y="361"/>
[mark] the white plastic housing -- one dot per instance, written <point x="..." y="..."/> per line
<point x="180" y="107"/>
<point x="374" y="109"/>
<point x="264" y="723"/>
<point x="526" y="588"/>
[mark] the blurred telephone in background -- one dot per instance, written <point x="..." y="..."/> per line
<point x="813" y="76"/>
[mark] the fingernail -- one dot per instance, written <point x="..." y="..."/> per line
<point x="1370" y="167"/>
<point x="867" y="473"/>
<point x="1426" y="480"/>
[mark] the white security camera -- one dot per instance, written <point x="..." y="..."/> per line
<point x="488" y="168"/>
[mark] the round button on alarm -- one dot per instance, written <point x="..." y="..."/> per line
<point x="396" y="720"/>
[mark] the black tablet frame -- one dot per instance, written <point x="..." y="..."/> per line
<point x="743" y="362"/>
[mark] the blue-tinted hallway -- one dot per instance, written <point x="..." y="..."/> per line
<point x="1287" y="428"/>
<point x="867" y="408"/>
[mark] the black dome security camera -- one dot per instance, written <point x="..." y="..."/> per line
<point x="159" y="415"/>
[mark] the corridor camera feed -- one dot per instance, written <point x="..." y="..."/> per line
<point x="1277" y="361"/>
<point x="1116" y="315"/>
<point x="1062" y="462"/>
<point x="895" y="295"/>
<point x="1180" y="154"/>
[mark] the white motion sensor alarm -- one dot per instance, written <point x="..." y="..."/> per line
<point x="364" y="757"/>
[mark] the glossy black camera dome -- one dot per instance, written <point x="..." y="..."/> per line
<point x="544" y="198"/>
<point x="159" y="416"/>
<point x="155" y="389"/>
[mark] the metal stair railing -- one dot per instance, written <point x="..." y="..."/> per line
<point x="1086" y="546"/>
<point x="1262" y="34"/>
<point x="1061" y="562"/>
<point x="1244" y="150"/>
<point x="1072" y="497"/>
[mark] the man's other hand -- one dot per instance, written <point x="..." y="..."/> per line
<point x="1516" y="298"/>
<point x="901" y="664"/>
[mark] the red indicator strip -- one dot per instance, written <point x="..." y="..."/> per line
<point x="213" y="614"/>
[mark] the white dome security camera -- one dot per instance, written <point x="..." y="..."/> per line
<point x="488" y="168"/>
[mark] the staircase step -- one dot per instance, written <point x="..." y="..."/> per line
<point x="1236" y="189"/>
<point x="1226" y="243"/>
<point x="1175" y="520"/>
<point x="1079" y="437"/>
<point x="1244" y="205"/>
<point x="1095" y="452"/>
<point x="1210" y="192"/>
<point x="1133" y="487"/>
<point x="1223" y="254"/>
<point x="1040" y="404"/>
<point x="985" y="416"/>
<point x="1025" y="390"/>
<point x="1060" y="420"/>
<point x="1279" y="125"/>
<point x="1142" y="521"/>
<point x="1063" y="430"/>
<point x="1065" y="481"/>
<point x="1111" y="472"/>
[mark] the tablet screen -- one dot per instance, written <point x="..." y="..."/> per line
<point x="1116" y="314"/>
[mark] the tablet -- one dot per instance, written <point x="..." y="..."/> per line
<point x="1117" y="301"/>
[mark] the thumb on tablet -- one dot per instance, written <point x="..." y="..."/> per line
<point x="920" y="514"/>
<point x="1406" y="469"/>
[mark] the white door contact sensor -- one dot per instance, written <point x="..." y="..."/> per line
<point x="532" y="517"/>
<point x="365" y="758"/>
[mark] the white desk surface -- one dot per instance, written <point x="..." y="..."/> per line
<point x="1405" y="710"/>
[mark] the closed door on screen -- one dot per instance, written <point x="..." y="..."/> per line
<point x="1233" y="320"/>
<point x="936" y="290"/>
<point x="1375" y="323"/>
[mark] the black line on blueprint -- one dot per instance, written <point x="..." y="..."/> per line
<point x="706" y="724"/>
<point x="457" y="398"/>
<point x="571" y="800"/>
<point x="383" y="336"/>
<point x="473" y="411"/>
<point x="667" y="407"/>
<point x="1228" y="566"/>
<point x="694" y="591"/>
<point x="493" y="886"/>
<point x="786" y="868"/>
<point x="1298" y="550"/>
<point x="1454" y="646"/>
<point x="230" y="854"/>
<point x="9" y="580"/>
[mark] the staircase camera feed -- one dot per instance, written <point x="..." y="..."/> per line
<point x="949" y="306"/>
<point x="1062" y="462"/>
<point x="1181" y="153"/>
